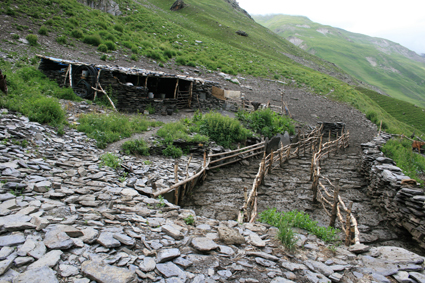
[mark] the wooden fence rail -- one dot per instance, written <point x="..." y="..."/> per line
<point x="249" y="209"/>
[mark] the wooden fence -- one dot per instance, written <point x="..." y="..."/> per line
<point x="276" y="158"/>
<point x="327" y="193"/>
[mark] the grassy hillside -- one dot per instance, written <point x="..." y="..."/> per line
<point x="394" y="69"/>
<point x="201" y="35"/>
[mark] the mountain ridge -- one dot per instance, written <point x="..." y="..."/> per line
<point x="387" y="65"/>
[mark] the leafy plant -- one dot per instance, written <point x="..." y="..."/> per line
<point x="32" y="39"/>
<point x="139" y="147"/>
<point x="110" y="160"/>
<point x="189" y="220"/>
<point x="102" y="48"/>
<point x="150" y="109"/>
<point x="43" y="30"/>
<point x="61" y="39"/>
<point x="161" y="201"/>
<point x="77" y="33"/>
<point x="172" y="151"/>
<point x="94" y="40"/>
<point x="147" y="162"/>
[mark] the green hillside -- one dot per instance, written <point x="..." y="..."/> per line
<point x="201" y="35"/>
<point x="389" y="66"/>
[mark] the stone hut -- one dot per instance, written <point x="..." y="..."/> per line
<point x="133" y="89"/>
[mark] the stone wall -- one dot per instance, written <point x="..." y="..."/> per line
<point x="134" y="99"/>
<point x="401" y="204"/>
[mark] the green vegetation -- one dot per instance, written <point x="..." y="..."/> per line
<point x="134" y="147"/>
<point x="266" y="122"/>
<point x="61" y="39"/>
<point x="172" y="151"/>
<point x="286" y="220"/>
<point x="412" y="164"/>
<point x="113" y="127"/>
<point x="43" y="30"/>
<point x="110" y="160"/>
<point x="224" y="130"/>
<point x="161" y="201"/>
<point x="189" y="220"/>
<point x="32" y="39"/>
<point x="28" y="90"/>
<point x="180" y="130"/>
<point x="403" y="111"/>
<point x="382" y="63"/>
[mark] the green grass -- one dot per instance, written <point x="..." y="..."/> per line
<point x="34" y="95"/>
<point x="113" y="127"/>
<point x="286" y="220"/>
<point x="266" y="122"/>
<point x="412" y="164"/>
<point x="135" y="147"/>
<point x="110" y="160"/>
<point x="394" y="73"/>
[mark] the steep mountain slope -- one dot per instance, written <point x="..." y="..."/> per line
<point x="389" y="66"/>
<point x="199" y="40"/>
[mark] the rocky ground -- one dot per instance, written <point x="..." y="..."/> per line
<point x="66" y="218"/>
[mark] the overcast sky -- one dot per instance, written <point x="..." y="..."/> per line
<point x="399" y="21"/>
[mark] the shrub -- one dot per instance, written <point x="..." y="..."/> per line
<point x="103" y="57"/>
<point x="110" y="160"/>
<point x="134" y="147"/>
<point x="111" y="46"/>
<point x="172" y="151"/>
<point x="135" y="50"/>
<point x="15" y="36"/>
<point x="94" y="39"/>
<point x="128" y="44"/>
<point x="43" y="30"/>
<point x="61" y="39"/>
<point x="49" y="22"/>
<point x="32" y="39"/>
<point x="150" y="109"/>
<point x="77" y="33"/>
<point x="266" y="122"/>
<point x="189" y="220"/>
<point x="118" y="28"/>
<point x="134" y="57"/>
<point x="372" y="116"/>
<point x="102" y="48"/>
<point x="222" y="129"/>
<point x="45" y="110"/>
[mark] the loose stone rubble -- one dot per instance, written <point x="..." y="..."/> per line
<point x="65" y="219"/>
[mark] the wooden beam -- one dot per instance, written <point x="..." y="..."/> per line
<point x="190" y="94"/>
<point x="175" y="89"/>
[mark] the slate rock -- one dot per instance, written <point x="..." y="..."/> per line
<point x="50" y="259"/>
<point x="43" y="274"/>
<point x="230" y="236"/>
<point x="204" y="244"/>
<point x="148" y="264"/>
<point x="107" y="240"/>
<point x="12" y="239"/>
<point x="169" y="269"/>
<point x="167" y="254"/>
<point x="103" y="273"/>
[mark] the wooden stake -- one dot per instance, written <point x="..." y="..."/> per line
<point x="271" y="161"/>
<point x="66" y="75"/>
<point x="335" y="205"/>
<point x="175" y="89"/>
<point x="348" y="225"/>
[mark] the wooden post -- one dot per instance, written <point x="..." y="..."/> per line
<point x="348" y="225"/>
<point x="245" y="194"/>
<point x="330" y="135"/>
<point x="146" y="83"/>
<point x="271" y="161"/>
<point x="288" y="153"/>
<point x="66" y="75"/>
<point x="190" y="94"/>
<point x="335" y="206"/>
<point x="283" y="104"/>
<point x="176" y="178"/>
<point x="175" y="89"/>
<point x="281" y="155"/>
<point x="205" y="159"/>
<point x="314" y="186"/>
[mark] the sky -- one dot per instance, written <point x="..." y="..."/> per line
<point x="402" y="22"/>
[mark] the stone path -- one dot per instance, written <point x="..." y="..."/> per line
<point x="65" y="219"/>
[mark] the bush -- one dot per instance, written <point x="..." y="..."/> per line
<point x="32" y="39"/>
<point x="222" y="129"/>
<point x="77" y="33"/>
<point x="266" y="122"/>
<point x="45" y="110"/>
<point x="135" y="50"/>
<point x="172" y="151"/>
<point x="372" y="116"/>
<point x="103" y="57"/>
<point x="119" y="28"/>
<point x="43" y="30"/>
<point x="111" y="46"/>
<point x="134" y="147"/>
<point x="102" y="48"/>
<point x="15" y="36"/>
<point x="128" y="44"/>
<point x="134" y="57"/>
<point x="61" y="39"/>
<point x="94" y="39"/>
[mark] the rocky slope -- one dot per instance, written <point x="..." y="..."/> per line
<point x="65" y="219"/>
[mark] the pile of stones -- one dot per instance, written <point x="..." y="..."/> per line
<point x="65" y="219"/>
<point x="394" y="192"/>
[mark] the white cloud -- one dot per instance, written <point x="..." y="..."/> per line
<point x="402" y="22"/>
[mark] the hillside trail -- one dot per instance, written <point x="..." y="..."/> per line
<point x="289" y="188"/>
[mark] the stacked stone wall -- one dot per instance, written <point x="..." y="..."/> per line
<point x="401" y="204"/>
